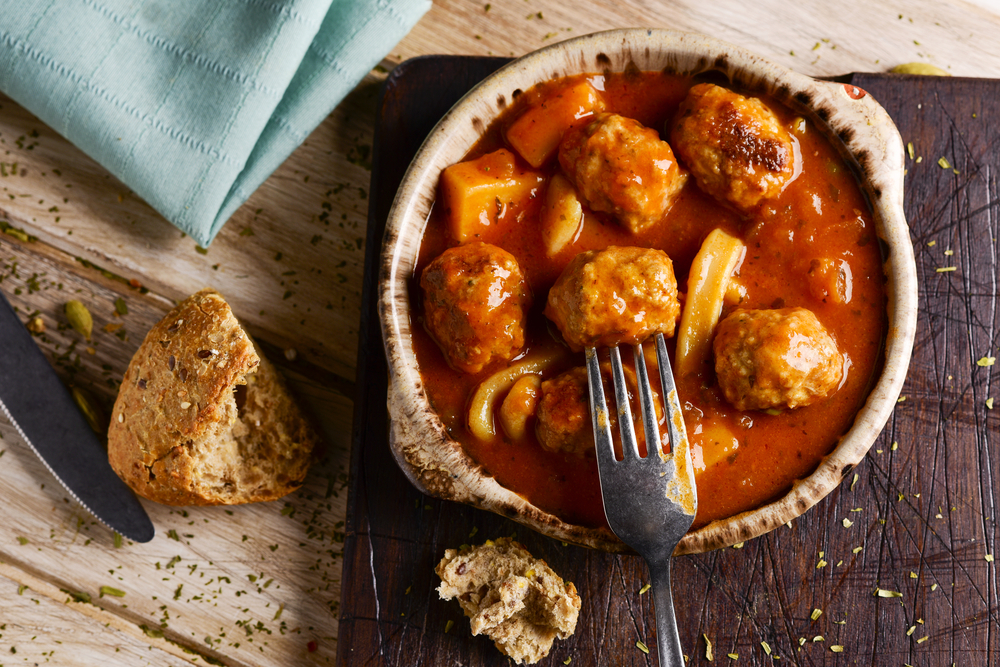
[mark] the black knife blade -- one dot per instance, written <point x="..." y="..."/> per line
<point x="43" y="412"/>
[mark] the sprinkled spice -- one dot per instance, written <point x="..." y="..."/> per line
<point x="708" y="649"/>
<point x="642" y="647"/>
<point x="883" y="593"/>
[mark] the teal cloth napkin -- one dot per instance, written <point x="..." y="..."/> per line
<point x="193" y="103"/>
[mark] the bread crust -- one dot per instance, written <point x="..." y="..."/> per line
<point x="176" y="404"/>
<point x="512" y="597"/>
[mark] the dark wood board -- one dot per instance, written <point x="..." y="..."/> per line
<point x="924" y="511"/>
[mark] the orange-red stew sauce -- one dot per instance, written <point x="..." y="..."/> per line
<point x="821" y="214"/>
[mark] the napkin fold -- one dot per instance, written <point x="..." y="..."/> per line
<point x="193" y="103"/>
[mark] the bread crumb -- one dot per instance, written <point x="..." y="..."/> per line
<point x="518" y="601"/>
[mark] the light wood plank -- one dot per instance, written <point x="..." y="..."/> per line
<point x="855" y="35"/>
<point x="217" y="588"/>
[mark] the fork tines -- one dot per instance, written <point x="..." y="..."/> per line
<point x="599" y="410"/>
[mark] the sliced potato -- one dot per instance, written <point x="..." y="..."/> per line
<point x="519" y="406"/>
<point x="714" y="443"/>
<point x="561" y="216"/>
<point x="708" y="282"/>
<point x="481" y="406"/>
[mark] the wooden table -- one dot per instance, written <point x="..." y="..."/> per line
<point x="260" y="585"/>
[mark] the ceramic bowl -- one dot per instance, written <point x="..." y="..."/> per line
<point x="438" y="466"/>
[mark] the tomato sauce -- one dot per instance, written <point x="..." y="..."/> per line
<point x="821" y="214"/>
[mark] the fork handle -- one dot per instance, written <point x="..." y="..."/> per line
<point x="668" y="641"/>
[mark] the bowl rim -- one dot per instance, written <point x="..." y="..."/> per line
<point x="852" y="120"/>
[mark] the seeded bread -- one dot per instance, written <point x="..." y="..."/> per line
<point x="202" y="418"/>
<point x="512" y="597"/>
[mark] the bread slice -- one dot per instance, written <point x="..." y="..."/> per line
<point x="202" y="418"/>
<point x="517" y="600"/>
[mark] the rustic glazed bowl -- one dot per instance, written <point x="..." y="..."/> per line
<point x="438" y="466"/>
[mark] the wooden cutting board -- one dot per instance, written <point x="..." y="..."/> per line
<point x="918" y="521"/>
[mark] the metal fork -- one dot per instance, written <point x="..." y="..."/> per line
<point x="649" y="502"/>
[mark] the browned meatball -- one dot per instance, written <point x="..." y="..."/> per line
<point x="616" y="295"/>
<point x="564" y="422"/>
<point x="564" y="413"/>
<point x="734" y="146"/>
<point x="475" y="304"/>
<point x="775" y="359"/>
<point x="623" y="168"/>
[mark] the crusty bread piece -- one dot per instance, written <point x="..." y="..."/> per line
<point x="512" y="597"/>
<point x="202" y="418"/>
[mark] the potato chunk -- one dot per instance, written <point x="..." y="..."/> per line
<point x="536" y="134"/>
<point x="483" y="192"/>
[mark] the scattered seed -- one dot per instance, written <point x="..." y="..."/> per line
<point x="79" y="318"/>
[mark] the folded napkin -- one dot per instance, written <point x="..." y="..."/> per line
<point x="192" y="103"/>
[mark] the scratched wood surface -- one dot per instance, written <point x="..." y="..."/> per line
<point x="917" y="522"/>
<point x="310" y="218"/>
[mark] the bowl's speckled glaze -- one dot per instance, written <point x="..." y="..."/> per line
<point x="438" y="466"/>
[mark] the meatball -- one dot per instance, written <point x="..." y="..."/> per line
<point x="623" y="168"/>
<point x="734" y="146"/>
<point x="775" y="359"/>
<point x="564" y="422"/>
<point x="616" y="295"/>
<point x="475" y="305"/>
